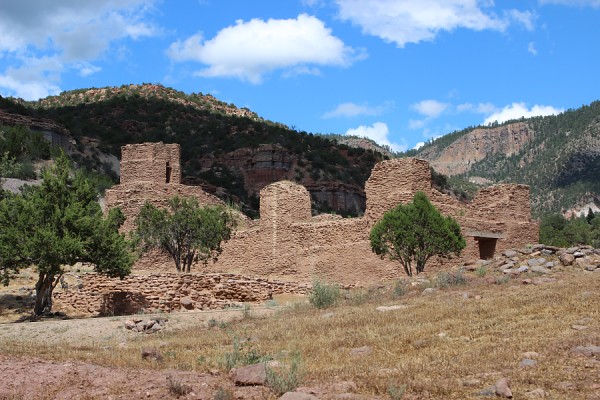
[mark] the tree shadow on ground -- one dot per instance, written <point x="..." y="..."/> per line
<point x="122" y="303"/>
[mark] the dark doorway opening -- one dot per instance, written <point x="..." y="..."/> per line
<point x="168" y="179"/>
<point x="487" y="247"/>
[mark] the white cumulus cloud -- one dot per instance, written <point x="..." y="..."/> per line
<point x="430" y="108"/>
<point x="71" y="32"/>
<point x="518" y="110"/>
<point x="249" y="50"/>
<point x="413" y="21"/>
<point x="353" y="110"/>
<point x="378" y="132"/>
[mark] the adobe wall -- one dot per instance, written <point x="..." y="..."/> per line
<point x="150" y="162"/>
<point x="288" y="244"/>
<point x="131" y="196"/>
<point x="100" y="295"/>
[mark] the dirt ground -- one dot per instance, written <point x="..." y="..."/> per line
<point x="33" y="378"/>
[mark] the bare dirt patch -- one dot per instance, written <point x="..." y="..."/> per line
<point x="33" y="378"/>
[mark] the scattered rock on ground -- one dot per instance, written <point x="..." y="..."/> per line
<point x="297" y="396"/>
<point x="579" y="327"/>
<point x="536" y="394"/>
<point x="361" y="351"/>
<point x="255" y="374"/>
<point x="566" y="259"/>
<point x="528" y="362"/>
<point x="588" y="351"/>
<point x="502" y="387"/>
<point x="145" y="326"/>
<point x="391" y="308"/>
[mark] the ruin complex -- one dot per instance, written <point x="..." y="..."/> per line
<point x="288" y="243"/>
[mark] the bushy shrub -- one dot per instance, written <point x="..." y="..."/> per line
<point x="244" y="353"/>
<point x="400" y="288"/>
<point x="323" y="294"/>
<point x="177" y="387"/>
<point x="223" y="394"/>
<point x="445" y="279"/>
<point x="285" y="379"/>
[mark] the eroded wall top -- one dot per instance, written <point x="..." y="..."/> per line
<point x="150" y="162"/>
<point x="283" y="203"/>
<point x="393" y="182"/>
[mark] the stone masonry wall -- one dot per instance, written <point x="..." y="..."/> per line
<point x="288" y="244"/>
<point x="150" y="162"/>
<point x="130" y="197"/>
<point x="168" y="292"/>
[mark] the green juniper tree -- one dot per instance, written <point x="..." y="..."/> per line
<point x="60" y="223"/>
<point x="186" y="230"/>
<point x="413" y="233"/>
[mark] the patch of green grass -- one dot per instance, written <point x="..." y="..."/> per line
<point x="324" y="295"/>
<point x="243" y="353"/>
<point x="481" y="271"/>
<point x="285" y="379"/>
<point x="446" y="279"/>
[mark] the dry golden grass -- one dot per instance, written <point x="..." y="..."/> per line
<point x="442" y="346"/>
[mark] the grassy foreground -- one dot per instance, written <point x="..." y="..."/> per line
<point x="450" y="344"/>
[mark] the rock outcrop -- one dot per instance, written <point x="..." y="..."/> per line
<point x="476" y="145"/>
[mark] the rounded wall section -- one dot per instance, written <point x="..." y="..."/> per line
<point x="283" y="203"/>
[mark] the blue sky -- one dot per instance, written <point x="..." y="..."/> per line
<point x="398" y="71"/>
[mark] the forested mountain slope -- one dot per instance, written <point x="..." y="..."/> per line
<point x="231" y="152"/>
<point x="558" y="156"/>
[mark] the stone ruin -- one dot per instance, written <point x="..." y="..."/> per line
<point x="288" y="243"/>
<point x="284" y="250"/>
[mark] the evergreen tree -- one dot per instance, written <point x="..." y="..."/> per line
<point x="59" y="223"/>
<point x="186" y="230"/>
<point x="590" y="215"/>
<point x="415" y="232"/>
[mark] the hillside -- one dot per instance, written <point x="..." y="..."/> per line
<point x="558" y="156"/>
<point x="229" y="151"/>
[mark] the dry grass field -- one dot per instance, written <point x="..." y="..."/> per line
<point x="452" y="343"/>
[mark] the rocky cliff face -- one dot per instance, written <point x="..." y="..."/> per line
<point x="557" y="156"/>
<point x="480" y="143"/>
<point x="55" y="133"/>
<point x="268" y="163"/>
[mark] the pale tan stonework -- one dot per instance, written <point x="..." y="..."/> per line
<point x="288" y="243"/>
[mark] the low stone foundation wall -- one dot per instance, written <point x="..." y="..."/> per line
<point x="166" y="292"/>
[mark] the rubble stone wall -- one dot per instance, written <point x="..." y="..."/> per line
<point x="168" y="292"/>
<point x="131" y="196"/>
<point x="287" y="243"/>
<point x="150" y="162"/>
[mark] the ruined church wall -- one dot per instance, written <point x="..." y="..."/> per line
<point x="130" y="197"/>
<point x="288" y="244"/>
<point x="393" y="182"/>
<point x="506" y="202"/>
<point x="283" y="203"/>
<point x="148" y="162"/>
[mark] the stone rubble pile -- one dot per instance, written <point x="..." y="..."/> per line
<point x="145" y="325"/>
<point x="542" y="259"/>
